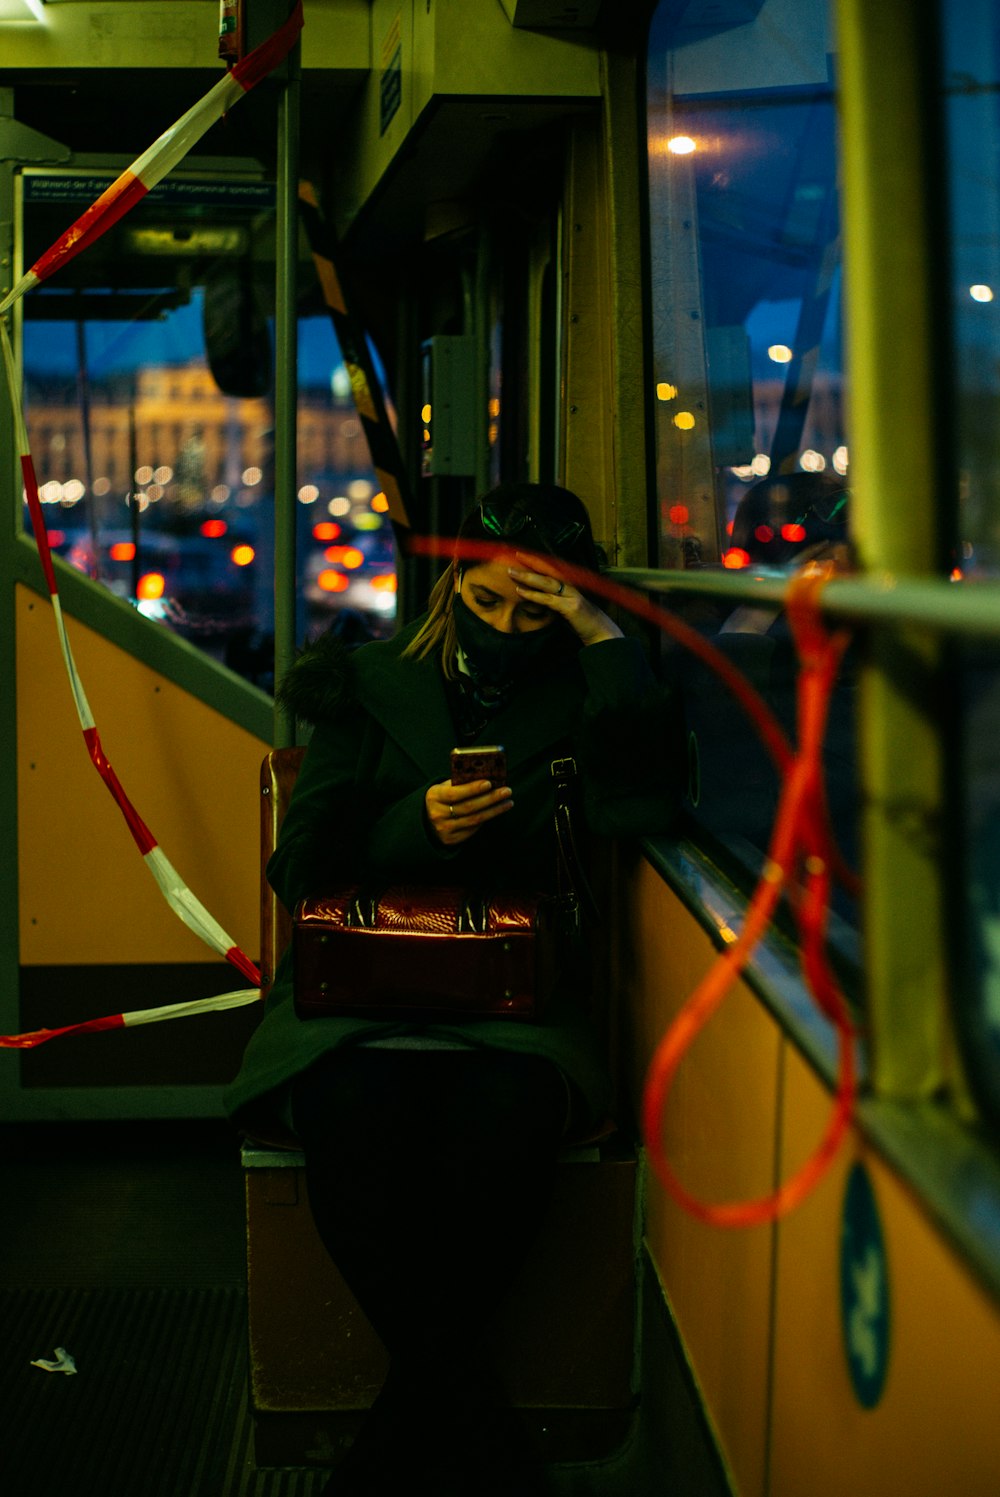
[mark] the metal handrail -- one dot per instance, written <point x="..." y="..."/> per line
<point x="961" y="607"/>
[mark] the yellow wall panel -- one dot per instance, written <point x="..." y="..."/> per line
<point x="720" y="1135"/>
<point x="85" y="894"/>
<point x="934" y="1428"/>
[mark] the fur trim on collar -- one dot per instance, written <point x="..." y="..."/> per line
<point x="319" y="683"/>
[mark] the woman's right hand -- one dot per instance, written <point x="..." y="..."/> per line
<point x="456" y="812"/>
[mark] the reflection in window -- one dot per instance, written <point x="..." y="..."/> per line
<point x="971" y="83"/>
<point x="148" y="378"/>
<point x="747" y="393"/>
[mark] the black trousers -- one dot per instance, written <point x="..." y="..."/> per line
<point x="429" y="1174"/>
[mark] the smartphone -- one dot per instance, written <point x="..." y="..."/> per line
<point x="482" y="762"/>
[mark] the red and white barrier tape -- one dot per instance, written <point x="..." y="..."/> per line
<point x="133" y="184"/>
<point x="36" y="1037"/>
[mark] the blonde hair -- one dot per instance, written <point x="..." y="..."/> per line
<point x="525" y="516"/>
<point x="437" y="632"/>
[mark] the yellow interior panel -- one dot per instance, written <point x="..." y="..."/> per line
<point x="934" y="1427"/>
<point x="720" y="1129"/>
<point x="85" y="894"/>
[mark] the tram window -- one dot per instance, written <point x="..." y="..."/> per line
<point x="346" y="555"/>
<point x="148" y="379"/>
<point x="748" y="375"/>
<point x="970" y="61"/>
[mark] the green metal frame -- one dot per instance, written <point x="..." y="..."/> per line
<point x="9" y="528"/>
<point x="286" y="387"/>
<point x="891" y="208"/>
<point x="902" y="514"/>
<point x="892" y="193"/>
<point x="972" y="611"/>
<point x="624" y="184"/>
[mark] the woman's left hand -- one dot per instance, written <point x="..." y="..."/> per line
<point x="536" y="584"/>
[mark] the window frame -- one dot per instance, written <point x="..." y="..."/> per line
<point x="894" y="263"/>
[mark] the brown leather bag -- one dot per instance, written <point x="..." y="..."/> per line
<point x="418" y="952"/>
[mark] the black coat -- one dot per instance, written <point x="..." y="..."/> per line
<point x="383" y="735"/>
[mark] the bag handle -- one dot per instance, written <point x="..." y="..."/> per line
<point x="471" y="917"/>
<point x="571" y="881"/>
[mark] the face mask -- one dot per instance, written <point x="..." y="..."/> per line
<point x="495" y="659"/>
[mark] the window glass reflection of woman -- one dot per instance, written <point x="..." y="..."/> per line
<point x="430" y="1148"/>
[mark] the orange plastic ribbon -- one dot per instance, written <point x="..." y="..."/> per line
<point x="801" y="848"/>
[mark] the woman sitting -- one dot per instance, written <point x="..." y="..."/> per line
<point x="430" y="1147"/>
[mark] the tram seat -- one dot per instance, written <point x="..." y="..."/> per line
<point x="566" y="1348"/>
